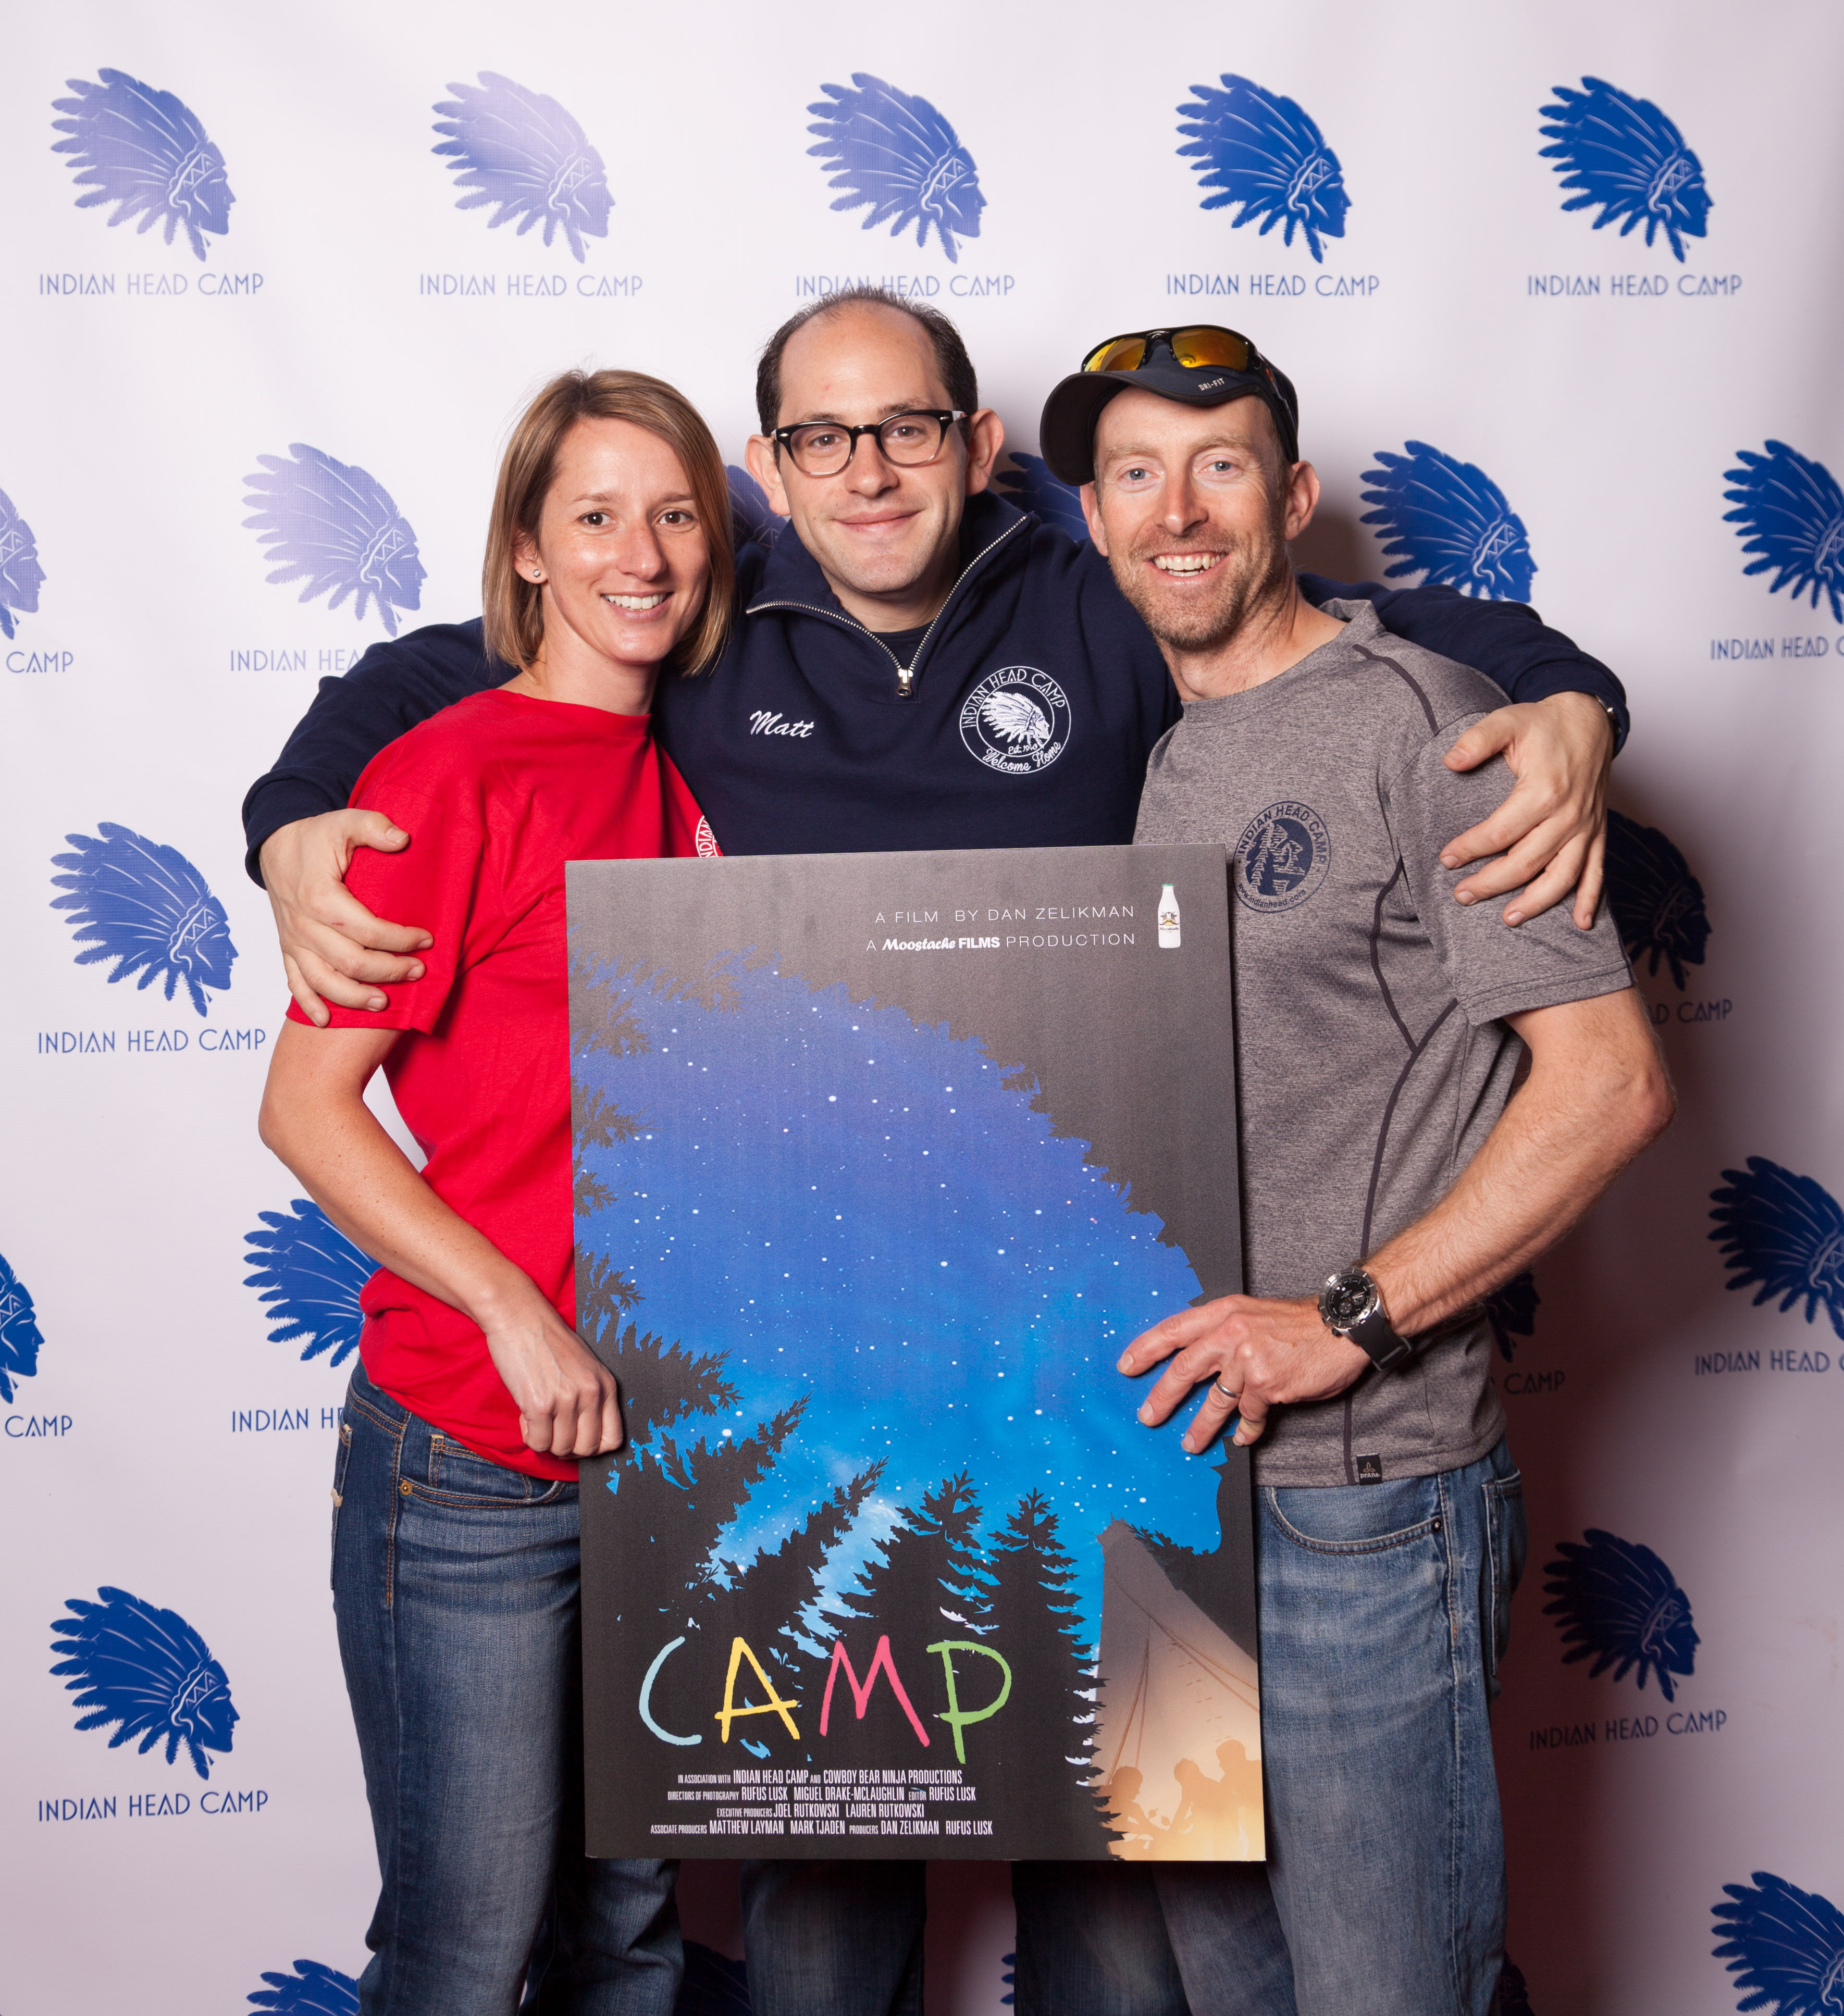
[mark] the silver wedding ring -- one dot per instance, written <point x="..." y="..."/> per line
<point x="1233" y="1398"/>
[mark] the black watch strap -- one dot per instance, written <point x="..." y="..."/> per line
<point x="1377" y="1335"/>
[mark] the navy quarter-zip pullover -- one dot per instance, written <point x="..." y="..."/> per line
<point x="1023" y="717"/>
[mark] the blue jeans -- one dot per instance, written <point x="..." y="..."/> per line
<point x="1384" y="1610"/>
<point x="455" y="1584"/>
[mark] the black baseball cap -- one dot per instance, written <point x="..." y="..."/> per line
<point x="1201" y="364"/>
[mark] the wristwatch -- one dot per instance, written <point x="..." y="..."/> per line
<point x="1351" y="1306"/>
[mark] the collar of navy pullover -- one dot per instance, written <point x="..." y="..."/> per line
<point x="789" y="581"/>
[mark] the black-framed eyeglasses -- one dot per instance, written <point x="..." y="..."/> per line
<point x="824" y="447"/>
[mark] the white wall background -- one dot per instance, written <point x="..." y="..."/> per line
<point x="129" y="1180"/>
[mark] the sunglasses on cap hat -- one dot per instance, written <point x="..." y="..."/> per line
<point x="1198" y="364"/>
<point x="1198" y="348"/>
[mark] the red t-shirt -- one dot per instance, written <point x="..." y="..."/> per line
<point x="496" y="794"/>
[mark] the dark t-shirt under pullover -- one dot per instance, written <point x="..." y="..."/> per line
<point x="1371" y="1059"/>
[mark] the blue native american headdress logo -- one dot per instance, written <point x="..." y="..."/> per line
<point x="1616" y="1603"/>
<point x="1512" y="1311"/>
<point x="1785" y="1231"/>
<point x="1028" y="483"/>
<point x="20" y="574"/>
<point x="1258" y="149"/>
<point x="310" y="1274"/>
<point x="1621" y="152"/>
<point x="1448" y="519"/>
<point x="149" y="1671"/>
<point x="897" y="156"/>
<point x="1657" y="902"/>
<point x="336" y="528"/>
<point x="20" y="1337"/>
<point x="523" y="152"/>
<point x="1784" y="1946"/>
<point x="1790" y="512"/>
<point x="143" y="151"/>
<point x="313" y="1989"/>
<point x="145" y="907"/>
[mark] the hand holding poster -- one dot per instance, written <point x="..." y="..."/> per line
<point x="880" y="1162"/>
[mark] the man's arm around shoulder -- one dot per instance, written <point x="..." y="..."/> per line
<point x="1506" y="641"/>
<point x="1568" y="717"/>
<point x="301" y="837"/>
<point x="395" y="685"/>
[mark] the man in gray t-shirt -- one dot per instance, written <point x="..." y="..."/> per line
<point x="1395" y="1170"/>
<point x="1372" y="1060"/>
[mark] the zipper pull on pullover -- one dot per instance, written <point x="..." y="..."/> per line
<point x="1012" y="524"/>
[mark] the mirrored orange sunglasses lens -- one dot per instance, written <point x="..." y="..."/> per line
<point x="1199" y="348"/>
<point x="1126" y="353"/>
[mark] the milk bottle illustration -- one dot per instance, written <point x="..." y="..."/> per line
<point x="1168" y="918"/>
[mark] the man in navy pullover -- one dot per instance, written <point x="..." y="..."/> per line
<point x="917" y="665"/>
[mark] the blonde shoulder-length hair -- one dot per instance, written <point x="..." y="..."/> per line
<point x="514" y="607"/>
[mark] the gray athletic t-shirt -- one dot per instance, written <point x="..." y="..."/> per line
<point x="1370" y="1058"/>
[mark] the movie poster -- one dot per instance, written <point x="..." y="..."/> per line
<point x="879" y="1161"/>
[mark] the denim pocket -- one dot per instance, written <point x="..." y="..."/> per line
<point x="1356" y="1519"/>
<point x="456" y="1477"/>
<point x="341" y="1462"/>
<point x="1507" y="1541"/>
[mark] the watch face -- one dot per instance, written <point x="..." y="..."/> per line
<point x="1348" y="1298"/>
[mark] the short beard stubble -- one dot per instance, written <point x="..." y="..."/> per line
<point x="1249" y="575"/>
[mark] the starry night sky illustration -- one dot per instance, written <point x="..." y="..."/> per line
<point x="851" y="1204"/>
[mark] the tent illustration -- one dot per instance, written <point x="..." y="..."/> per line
<point x="1173" y="1683"/>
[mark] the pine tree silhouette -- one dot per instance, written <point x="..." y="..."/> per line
<point x="924" y="1582"/>
<point x="671" y="1501"/>
<point x="1042" y="1767"/>
<point x="674" y="1498"/>
<point x="927" y="1568"/>
<point x="660" y="1383"/>
<point x="765" y="1604"/>
<point x="605" y="1293"/>
<point x="784" y="1585"/>
<point x="601" y="1015"/>
<point x="600" y="990"/>
<point x="595" y="1122"/>
<point x="671" y="1504"/>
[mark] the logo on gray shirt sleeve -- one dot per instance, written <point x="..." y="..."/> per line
<point x="1283" y="857"/>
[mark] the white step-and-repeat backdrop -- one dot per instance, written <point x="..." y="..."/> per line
<point x="1560" y="288"/>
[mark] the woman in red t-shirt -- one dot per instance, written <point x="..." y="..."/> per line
<point x="455" y="1525"/>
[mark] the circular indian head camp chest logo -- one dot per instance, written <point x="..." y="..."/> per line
<point x="1016" y="720"/>
<point x="1282" y="857"/>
